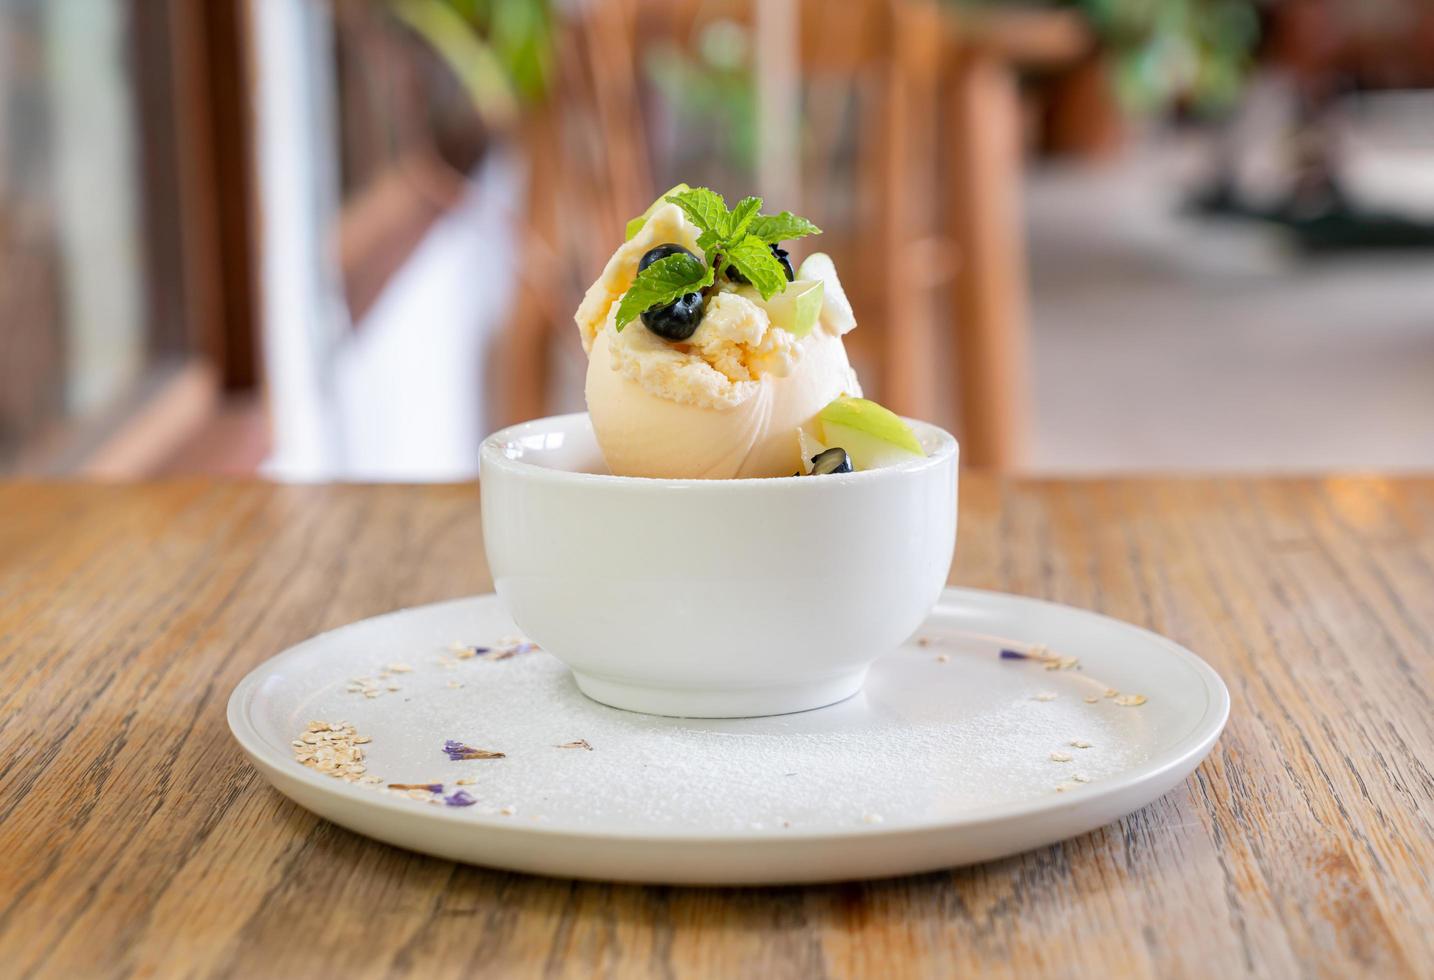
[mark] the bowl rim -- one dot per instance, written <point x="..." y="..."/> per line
<point x="492" y="453"/>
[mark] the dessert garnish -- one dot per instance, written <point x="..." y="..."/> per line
<point x="1041" y="653"/>
<point x="869" y="436"/>
<point x="742" y="244"/>
<point x="332" y="748"/>
<point x="1051" y="661"/>
<point x="458" y="751"/>
<point x="834" y="460"/>
<point x="510" y="650"/>
<point x="872" y="435"/>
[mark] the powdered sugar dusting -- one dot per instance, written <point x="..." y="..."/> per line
<point x="924" y="740"/>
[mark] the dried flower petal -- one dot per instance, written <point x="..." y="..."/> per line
<point x="457" y="752"/>
<point x="581" y="743"/>
<point x="503" y="653"/>
<point x="425" y="787"/>
<point x="460" y="798"/>
<point x="1048" y="660"/>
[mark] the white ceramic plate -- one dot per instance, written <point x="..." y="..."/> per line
<point x="951" y="754"/>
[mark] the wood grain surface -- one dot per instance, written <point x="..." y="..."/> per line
<point x="135" y="838"/>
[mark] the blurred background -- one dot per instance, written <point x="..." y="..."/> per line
<point x="320" y="240"/>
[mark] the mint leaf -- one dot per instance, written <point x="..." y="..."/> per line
<point x="755" y="260"/>
<point x="741" y="217"/>
<point x="710" y="242"/>
<point x="661" y="283"/>
<point x="705" y="207"/>
<point x="774" y="228"/>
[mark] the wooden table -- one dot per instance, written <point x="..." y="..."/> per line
<point x="135" y="839"/>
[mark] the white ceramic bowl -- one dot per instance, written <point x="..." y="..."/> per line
<point x="713" y="598"/>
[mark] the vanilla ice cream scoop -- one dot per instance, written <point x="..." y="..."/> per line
<point x="725" y="403"/>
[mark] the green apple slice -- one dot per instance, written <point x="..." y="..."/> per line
<point x="836" y="308"/>
<point x="796" y="309"/>
<point x="635" y="225"/>
<point x="871" y="435"/>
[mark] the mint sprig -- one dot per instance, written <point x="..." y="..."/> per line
<point x="738" y="238"/>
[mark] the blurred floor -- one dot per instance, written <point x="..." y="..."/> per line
<point x="1165" y="343"/>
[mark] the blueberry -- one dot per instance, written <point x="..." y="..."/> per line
<point x="786" y="262"/>
<point x="660" y="252"/>
<point x="780" y="254"/>
<point x="677" y="320"/>
<point x="833" y="460"/>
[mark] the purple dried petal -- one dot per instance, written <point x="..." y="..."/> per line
<point x="477" y="650"/>
<point x="457" y="752"/>
<point x="503" y="653"/>
<point x="460" y="798"/>
<point x="1014" y="655"/>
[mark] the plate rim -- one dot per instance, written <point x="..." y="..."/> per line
<point x="1187" y="751"/>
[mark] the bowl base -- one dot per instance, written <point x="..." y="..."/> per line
<point x="748" y="702"/>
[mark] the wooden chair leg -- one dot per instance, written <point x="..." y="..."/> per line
<point x="600" y="85"/>
<point x="902" y="222"/>
<point x="612" y="98"/>
<point x="984" y="149"/>
<point x="522" y="378"/>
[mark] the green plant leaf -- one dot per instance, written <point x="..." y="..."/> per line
<point x="467" y="54"/>
<point x="742" y="216"/>
<point x="710" y="242"/>
<point x="705" y="207"/>
<point x="775" y="228"/>
<point x="661" y="283"/>
<point x="755" y="260"/>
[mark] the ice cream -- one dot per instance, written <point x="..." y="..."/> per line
<point x="728" y="400"/>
